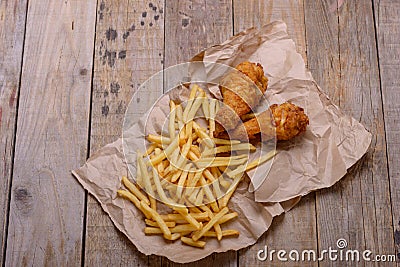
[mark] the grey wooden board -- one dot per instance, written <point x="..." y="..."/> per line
<point x="12" y="29"/>
<point x="47" y="203"/>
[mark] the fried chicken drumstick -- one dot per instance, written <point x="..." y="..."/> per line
<point x="241" y="90"/>
<point x="289" y="121"/>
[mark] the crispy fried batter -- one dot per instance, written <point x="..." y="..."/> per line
<point x="241" y="90"/>
<point x="289" y="119"/>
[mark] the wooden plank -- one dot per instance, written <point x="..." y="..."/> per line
<point x="298" y="225"/>
<point x="12" y="29"/>
<point x="46" y="210"/>
<point x="341" y="47"/>
<point x="129" y="48"/>
<point x="387" y="25"/>
<point x="256" y="13"/>
<point x="190" y="27"/>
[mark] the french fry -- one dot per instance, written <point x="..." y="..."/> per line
<point x="134" y="190"/>
<point x="189" y="102"/>
<point x="145" y="176"/>
<point x="261" y="160"/>
<point x="171" y="147"/>
<point x="195" y="210"/>
<point x="219" y="141"/>
<point x="155" y="224"/>
<point x="224" y="233"/>
<point x="190" y="242"/>
<point x="128" y="195"/>
<point x="159" y="188"/>
<point x="206" y="107"/>
<point x="216" y="226"/>
<point x="199" y="198"/>
<point x="227" y="217"/>
<point x="182" y="180"/>
<point x="158" y="139"/>
<point x="198" y="234"/>
<point x="153" y="203"/>
<point x="209" y="195"/>
<point x="228" y="148"/>
<point x="178" y="218"/>
<point x="172" y="115"/>
<point x="189" y="218"/>
<point x="164" y="228"/>
<point x="174" y="237"/>
<point x="223" y="202"/>
<point x="211" y="121"/>
<point x="150" y="150"/>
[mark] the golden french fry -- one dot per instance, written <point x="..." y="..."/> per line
<point x="154" y="214"/>
<point x="171" y="125"/>
<point x="223" y="233"/>
<point x="160" y="190"/>
<point x="195" y="210"/>
<point x="158" y="139"/>
<point x="209" y="195"/>
<point x="153" y="203"/>
<point x="206" y="107"/>
<point x="228" y="148"/>
<point x="174" y="237"/>
<point x="134" y="190"/>
<point x="190" y="242"/>
<point x="198" y="234"/>
<point x="155" y="224"/>
<point x="227" y="217"/>
<point x="178" y="218"/>
<point x="168" y="151"/>
<point x="190" y="101"/>
<point x="150" y="150"/>
<point x="261" y="160"/>
<point x="216" y="226"/>
<point x="189" y="218"/>
<point x="199" y="199"/>
<point x="145" y="175"/>
<point x="223" y="202"/>
<point x="128" y="195"/>
<point x="219" y="141"/>
<point x="182" y="180"/>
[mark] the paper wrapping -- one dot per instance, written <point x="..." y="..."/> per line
<point x="318" y="158"/>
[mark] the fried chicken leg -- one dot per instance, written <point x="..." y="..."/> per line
<point x="242" y="90"/>
<point x="289" y="121"/>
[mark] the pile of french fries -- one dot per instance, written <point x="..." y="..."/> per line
<point x="191" y="172"/>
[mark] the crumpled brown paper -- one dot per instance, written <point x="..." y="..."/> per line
<point x="319" y="158"/>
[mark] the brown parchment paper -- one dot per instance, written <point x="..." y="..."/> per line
<point x="319" y="158"/>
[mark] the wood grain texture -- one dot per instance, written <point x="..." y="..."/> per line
<point x="190" y="27"/>
<point x="46" y="210"/>
<point x="12" y="29"/>
<point x="387" y="23"/>
<point x="256" y="13"/>
<point x="129" y="49"/>
<point x="297" y="228"/>
<point x="343" y="57"/>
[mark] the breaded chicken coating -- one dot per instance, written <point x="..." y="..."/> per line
<point x="241" y="90"/>
<point x="289" y="121"/>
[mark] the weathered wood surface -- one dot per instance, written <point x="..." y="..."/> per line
<point x="47" y="203"/>
<point x="12" y="29"/>
<point x="387" y="23"/>
<point x="357" y="208"/>
<point x="190" y="27"/>
<point x="299" y="225"/>
<point x="65" y="98"/>
<point x="128" y="50"/>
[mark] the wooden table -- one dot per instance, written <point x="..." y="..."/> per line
<point x="69" y="68"/>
